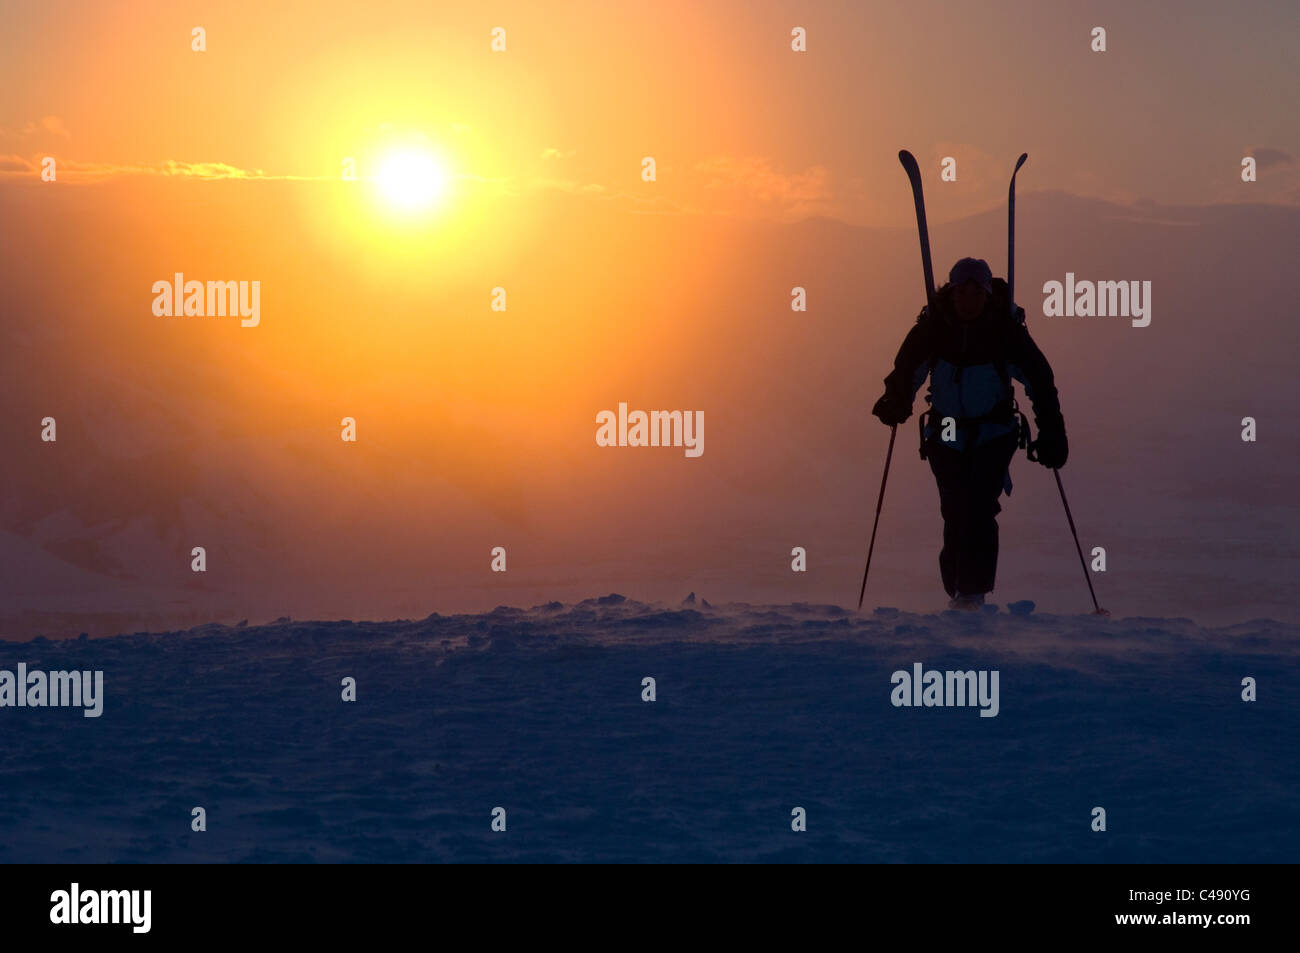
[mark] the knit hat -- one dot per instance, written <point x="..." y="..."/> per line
<point x="971" y="269"/>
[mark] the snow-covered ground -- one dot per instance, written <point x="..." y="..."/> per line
<point x="759" y="710"/>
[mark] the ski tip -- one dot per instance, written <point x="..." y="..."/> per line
<point x="1021" y="160"/>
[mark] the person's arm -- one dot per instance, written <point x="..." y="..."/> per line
<point x="911" y="363"/>
<point x="1028" y="365"/>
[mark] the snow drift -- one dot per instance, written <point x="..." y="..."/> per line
<point x="759" y="710"/>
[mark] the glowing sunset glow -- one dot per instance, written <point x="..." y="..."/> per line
<point x="411" y="181"/>
<point x="457" y="242"/>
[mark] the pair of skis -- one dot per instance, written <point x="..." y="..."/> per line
<point x="913" y="171"/>
<point x="918" y="197"/>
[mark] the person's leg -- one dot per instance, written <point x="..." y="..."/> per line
<point x="977" y="556"/>
<point x="946" y="465"/>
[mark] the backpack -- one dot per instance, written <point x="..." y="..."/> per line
<point x="1000" y="302"/>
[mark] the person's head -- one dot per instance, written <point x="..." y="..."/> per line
<point x="972" y="283"/>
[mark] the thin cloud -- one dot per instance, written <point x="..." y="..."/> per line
<point x="212" y="170"/>
<point x="719" y="185"/>
<point x="15" y="165"/>
<point x="976" y="169"/>
<point x="51" y="125"/>
<point x="569" y="185"/>
<point x="1267" y="157"/>
<point x="594" y="190"/>
<point x="755" y="177"/>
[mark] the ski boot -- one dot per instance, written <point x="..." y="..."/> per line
<point x="968" y="603"/>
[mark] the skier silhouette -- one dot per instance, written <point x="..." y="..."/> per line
<point x="970" y="349"/>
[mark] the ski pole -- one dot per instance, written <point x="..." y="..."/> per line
<point x="893" y="432"/>
<point x="1082" y="562"/>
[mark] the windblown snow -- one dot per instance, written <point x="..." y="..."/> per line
<point x="758" y="711"/>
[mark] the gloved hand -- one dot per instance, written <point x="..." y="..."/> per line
<point x="1051" y="447"/>
<point x="892" y="409"/>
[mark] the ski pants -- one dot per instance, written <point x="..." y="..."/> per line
<point x="970" y="482"/>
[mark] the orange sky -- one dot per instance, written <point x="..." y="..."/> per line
<point x="775" y="169"/>
<point x="738" y="122"/>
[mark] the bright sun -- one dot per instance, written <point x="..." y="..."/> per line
<point x="411" y="181"/>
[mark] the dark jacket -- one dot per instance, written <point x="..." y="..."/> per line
<point x="970" y="364"/>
